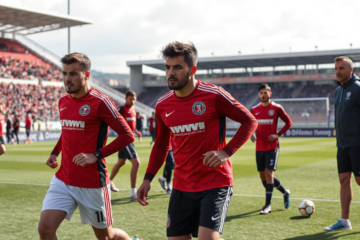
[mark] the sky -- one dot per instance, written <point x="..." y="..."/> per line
<point x="138" y="29"/>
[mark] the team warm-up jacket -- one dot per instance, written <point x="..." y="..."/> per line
<point x="347" y="113"/>
<point x="85" y="123"/>
<point x="197" y="124"/>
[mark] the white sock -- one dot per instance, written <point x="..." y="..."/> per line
<point x="345" y="221"/>
<point x="133" y="191"/>
<point x="111" y="182"/>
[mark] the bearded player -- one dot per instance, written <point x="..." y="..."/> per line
<point x="267" y="144"/>
<point x="194" y="115"/>
<point x="82" y="180"/>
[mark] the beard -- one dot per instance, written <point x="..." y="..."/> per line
<point x="264" y="99"/>
<point x="73" y="90"/>
<point x="180" y="84"/>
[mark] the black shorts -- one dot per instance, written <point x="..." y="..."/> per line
<point x="139" y="129"/>
<point x="27" y="132"/>
<point x="128" y="152"/>
<point x="2" y="141"/>
<point x="189" y="210"/>
<point x="348" y="160"/>
<point x="267" y="159"/>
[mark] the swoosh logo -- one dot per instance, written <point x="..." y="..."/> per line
<point x="257" y="113"/>
<point x="62" y="109"/>
<point x="168" y="114"/>
<point x="212" y="218"/>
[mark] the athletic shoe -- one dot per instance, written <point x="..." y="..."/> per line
<point x="287" y="199"/>
<point x="162" y="182"/>
<point x="266" y="209"/>
<point x="137" y="237"/>
<point x="340" y="225"/>
<point x="113" y="188"/>
<point x="168" y="191"/>
<point x="133" y="197"/>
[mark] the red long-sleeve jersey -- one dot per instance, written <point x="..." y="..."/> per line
<point x="129" y="114"/>
<point x="28" y="122"/>
<point x="85" y="123"/>
<point x="197" y="124"/>
<point x="267" y="118"/>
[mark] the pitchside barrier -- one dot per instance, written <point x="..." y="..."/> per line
<point x="38" y="136"/>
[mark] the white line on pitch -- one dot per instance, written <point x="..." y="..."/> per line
<point x="235" y="194"/>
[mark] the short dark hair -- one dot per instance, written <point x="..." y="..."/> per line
<point x="346" y="59"/>
<point x="175" y="49"/>
<point x="130" y="93"/>
<point x="264" y="86"/>
<point x="82" y="59"/>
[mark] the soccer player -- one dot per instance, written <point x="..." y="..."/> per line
<point x="139" y="124"/>
<point x="2" y="121"/>
<point x="194" y="114"/>
<point x="267" y="136"/>
<point x="347" y="118"/>
<point x="128" y="112"/>
<point x="9" y="123"/>
<point x="165" y="179"/>
<point x="151" y="122"/>
<point x="28" y="122"/>
<point x="16" y="127"/>
<point x="82" y="180"/>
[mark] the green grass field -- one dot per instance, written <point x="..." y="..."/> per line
<point x="307" y="166"/>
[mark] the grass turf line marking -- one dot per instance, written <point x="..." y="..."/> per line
<point x="235" y="194"/>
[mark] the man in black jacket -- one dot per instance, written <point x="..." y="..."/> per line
<point x="347" y="124"/>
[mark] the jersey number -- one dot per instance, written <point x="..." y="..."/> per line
<point x="100" y="216"/>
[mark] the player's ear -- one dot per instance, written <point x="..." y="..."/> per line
<point x="87" y="74"/>
<point x="193" y="70"/>
<point x="270" y="94"/>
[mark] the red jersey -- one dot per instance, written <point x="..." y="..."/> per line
<point x="197" y="124"/>
<point x="129" y="114"/>
<point x="28" y="122"/>
<point x="85" y="123"/>
<point x="2" y="121"/>
<point x="151" y="121"/>
<point x="267" y="118"/>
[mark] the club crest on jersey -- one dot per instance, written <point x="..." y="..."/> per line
<point x="84" y="110"/>
<point x="198" y="108"/>
<point x="271" y="112"/>
<point x="348" y="94"/>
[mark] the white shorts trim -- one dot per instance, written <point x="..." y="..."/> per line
<point x="94" y="203"/>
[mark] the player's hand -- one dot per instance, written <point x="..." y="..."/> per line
<point x="273" y="137"/>
<point x="138" y="134"/>
<point x="83" y="159"/>
<point x="215" y="158"/>
<point x="253" y="138"/>
<point x="52" y="161"/>
<point x="142" y="193"/>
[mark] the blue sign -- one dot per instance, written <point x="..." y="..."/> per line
<point x="298" y="132"/>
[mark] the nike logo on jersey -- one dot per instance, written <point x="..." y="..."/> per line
<point x="257" y="113"/>
<point x="62" y="109"/>
<point x="168" y="114"/>
<point x="213" y="218"/>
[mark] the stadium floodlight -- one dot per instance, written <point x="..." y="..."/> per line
<point x="307" y="112"/>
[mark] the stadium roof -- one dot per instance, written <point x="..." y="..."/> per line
<point x="262" y="60"/>
<point x="28" y="21"/>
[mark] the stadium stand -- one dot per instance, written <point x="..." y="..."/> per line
<point x="17" y="62"/>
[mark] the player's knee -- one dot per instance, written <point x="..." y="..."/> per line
<point x="136" y="162"/>
<point x="357" y="179"/>
<point x="45" y="230"/>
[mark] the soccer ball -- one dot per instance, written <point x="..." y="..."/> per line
<point x="306" y="208"/>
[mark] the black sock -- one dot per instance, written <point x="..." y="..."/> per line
<point x="269" y="191"/>
<point x="264" y="183"/>
<point x="278" y="185"/>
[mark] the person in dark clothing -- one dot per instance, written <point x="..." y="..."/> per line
<point x="9" y="123"/>
<point x="347" y="118"/>
<point x="16" y="126"/>
<point x="139" y="124"/>
<point x="151" y="123"/>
